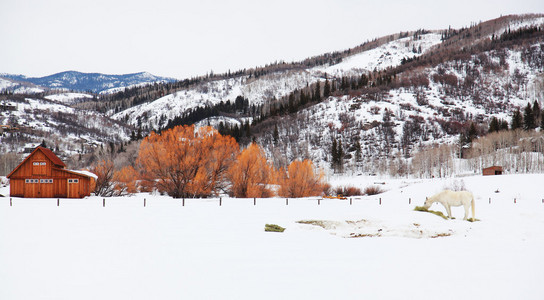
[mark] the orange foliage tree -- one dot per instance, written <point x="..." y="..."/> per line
<point x="187" y="162"/>
<point x="251" y="174"/>
<point x="125" y="181"/>
<point x="300" y="180"/>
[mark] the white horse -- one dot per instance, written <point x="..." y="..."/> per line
<point x="450" y="198"/>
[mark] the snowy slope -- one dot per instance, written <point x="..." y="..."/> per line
<point x="57" y="124"/>
<point x="68" y="98"/>
<point x="385" y="56"/>
<point x="205" y="251"/>
<point x="257" y="91"/>
<point x="494" y="89"/>
<point x="274" y="85"/>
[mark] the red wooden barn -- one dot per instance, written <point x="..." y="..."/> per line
<point x="494" y="170"/>
<point x="43" y="175"/>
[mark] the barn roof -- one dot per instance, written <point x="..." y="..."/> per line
<point x="54" y="159"/>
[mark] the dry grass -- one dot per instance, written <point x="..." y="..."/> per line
<point x="273" y="228"/>
<point x="423" y="209"/>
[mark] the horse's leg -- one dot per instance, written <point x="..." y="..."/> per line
<point x="466" y="211"/>
<point x="448" y="209"/>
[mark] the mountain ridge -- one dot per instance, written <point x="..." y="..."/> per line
<point x="88" y="82"/>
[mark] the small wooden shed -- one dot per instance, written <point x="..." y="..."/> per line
<point x="43" y="175"/>
<point x="494" y="170"/>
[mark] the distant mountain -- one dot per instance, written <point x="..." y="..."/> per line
<point x="88" y="82"/>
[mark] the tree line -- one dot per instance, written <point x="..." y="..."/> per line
<point x="186" y="162"/>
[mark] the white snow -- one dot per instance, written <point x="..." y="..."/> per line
<point x="385" y="56"/>
<point x="85" y="173"/>
<point x="68" y="98"/>
<point x="81" y="250"/>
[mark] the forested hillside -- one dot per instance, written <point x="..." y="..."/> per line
<point x="408" y="103"/>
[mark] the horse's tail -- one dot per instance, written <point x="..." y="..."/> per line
<point x="473" y="209"/>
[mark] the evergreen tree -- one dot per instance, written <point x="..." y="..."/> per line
<point x="529" y="118"/>
<point x="536" y="111"/>
<point x="517" y="120"/>
<point x="493" y="125"/>
<point x="542" y="120"/>
<point x="327" y="89"/>
<point x="503" y="125"/>
<point x="334" y="154"/>
<point x="292" y="108"/>
<point x="303" y="98"/>
<point x="472" y="132"/>
<point x="358" y="151"/>
<point x="276" y="135"/>
<point x="340" y="155"/>
<point x="317" y="94"/>
<point x="363" y="81"/>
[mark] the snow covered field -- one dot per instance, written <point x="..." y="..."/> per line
<point x="82" y="250"/>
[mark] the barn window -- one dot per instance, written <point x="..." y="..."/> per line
<point x="39" y="168"/>
<point x="46" y="180"/>
<point x="73" y="180"/>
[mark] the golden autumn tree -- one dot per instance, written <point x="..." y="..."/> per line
<point x="300" y="180"/>
<point x="125" y="181"/>
<point x="251" y="174"/>
<point x="187" y="162"/>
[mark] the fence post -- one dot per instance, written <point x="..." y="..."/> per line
<point x="104" y="202"/>
<point x="489" y="200"/>
<point x="220" y="200"/>
<point x="144" y="202"/>
<point x="318" y="201"/>
<point x="10" y="202"/>
<point x="183" y="201"/>
<point x="514" y="200"/>
<point x="58" y="202"/>
<point x="350" y="201"/>
<point x="254" y="201"/>
<point x="409" y="200"/>
<point x="287" y="201"/>
<point x="380" y="201"/>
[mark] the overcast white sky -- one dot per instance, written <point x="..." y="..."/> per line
<point x="181" y="38"/>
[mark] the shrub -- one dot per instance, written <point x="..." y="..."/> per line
<point x="348" y="191"/>
<point x="373" y="190"/>
<point x="327" y="189"/>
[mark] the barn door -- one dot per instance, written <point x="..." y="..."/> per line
<point x="32" y="188"/>
<point x="73" y="188"/>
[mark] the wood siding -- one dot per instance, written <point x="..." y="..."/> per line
<point x="40" y="177"/>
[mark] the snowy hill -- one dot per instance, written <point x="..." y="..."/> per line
<point x="68" y="129"/>
<point x="385" y="56"/>
<point x="88" y="82"/>
<point x="429" y="101"/>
